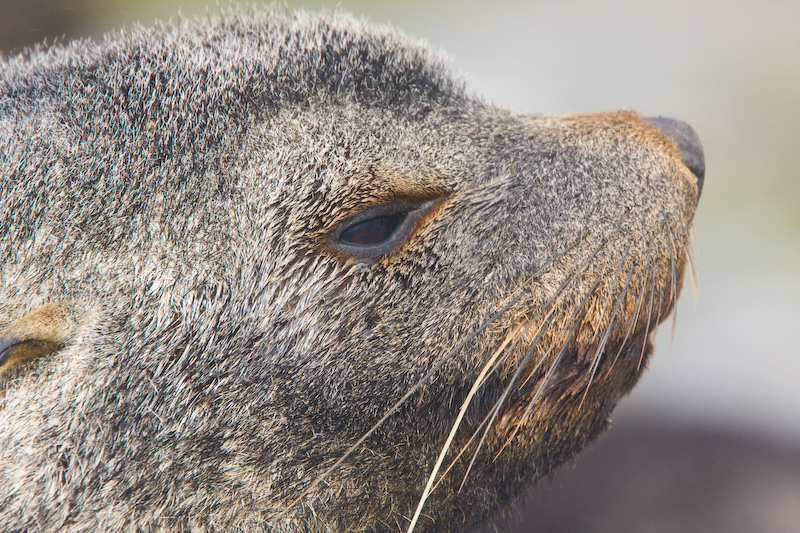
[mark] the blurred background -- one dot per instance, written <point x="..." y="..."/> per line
<point x="710" y="438"/>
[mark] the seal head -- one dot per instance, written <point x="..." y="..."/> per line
<point x="305" y="281"/>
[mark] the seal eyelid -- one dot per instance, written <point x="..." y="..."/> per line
<point x="379" y="230"/>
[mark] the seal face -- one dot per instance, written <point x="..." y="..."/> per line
<point x="287" y="274"/>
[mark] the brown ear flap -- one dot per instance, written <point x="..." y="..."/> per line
<point x="44" y="331"/>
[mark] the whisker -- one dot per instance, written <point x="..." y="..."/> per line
<point x="511" y="301"/>
<point x="639" y="300"/>
<point x="673" y="286"/>
<point x="457" y="424"/>
<point x="602" y="344"/>
<point x="548" y="309"/>
<point x="649" y="317"/>
<point x="405" y="397"/>
<point x="573" y="323"/>
<point x="461" y="453"/>
<point x="547" y="377"/>
<point x="599" y="353"/>
<point x="693" y="273"/>
<point x="506" y="391"/>
<point x="517" y="340"/>
<point x="522" y="418"/>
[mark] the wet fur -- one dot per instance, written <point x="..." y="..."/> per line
<point x="178" y="187"/>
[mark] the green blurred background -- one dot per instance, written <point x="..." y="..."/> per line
<point x="729" y="68"/>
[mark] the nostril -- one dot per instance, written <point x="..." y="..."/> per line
<point x="688" y="144"/>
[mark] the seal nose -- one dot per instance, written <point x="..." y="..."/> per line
<point x="688" y="144"/>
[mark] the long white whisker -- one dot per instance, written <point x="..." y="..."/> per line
<point x="461" y="412"/>
<point x="506" y="391"/>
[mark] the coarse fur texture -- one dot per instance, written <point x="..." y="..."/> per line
<point x="189" y="347"/>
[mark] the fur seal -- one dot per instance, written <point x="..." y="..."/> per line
<point x="285" y="273"/>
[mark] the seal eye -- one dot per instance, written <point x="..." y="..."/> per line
<point x="372" y="232"/>
<point x="379" y="230"/>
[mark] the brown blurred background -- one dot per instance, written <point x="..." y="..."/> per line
<point x="710" y="439"/>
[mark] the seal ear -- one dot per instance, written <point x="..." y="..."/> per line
<point x="44" y="331"/>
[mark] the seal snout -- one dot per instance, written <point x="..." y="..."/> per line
<point x="688" y="144"/>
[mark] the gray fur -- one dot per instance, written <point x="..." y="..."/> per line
<point x="178" y="187"/>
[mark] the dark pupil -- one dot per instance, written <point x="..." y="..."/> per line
<point x="373" y="231"/>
